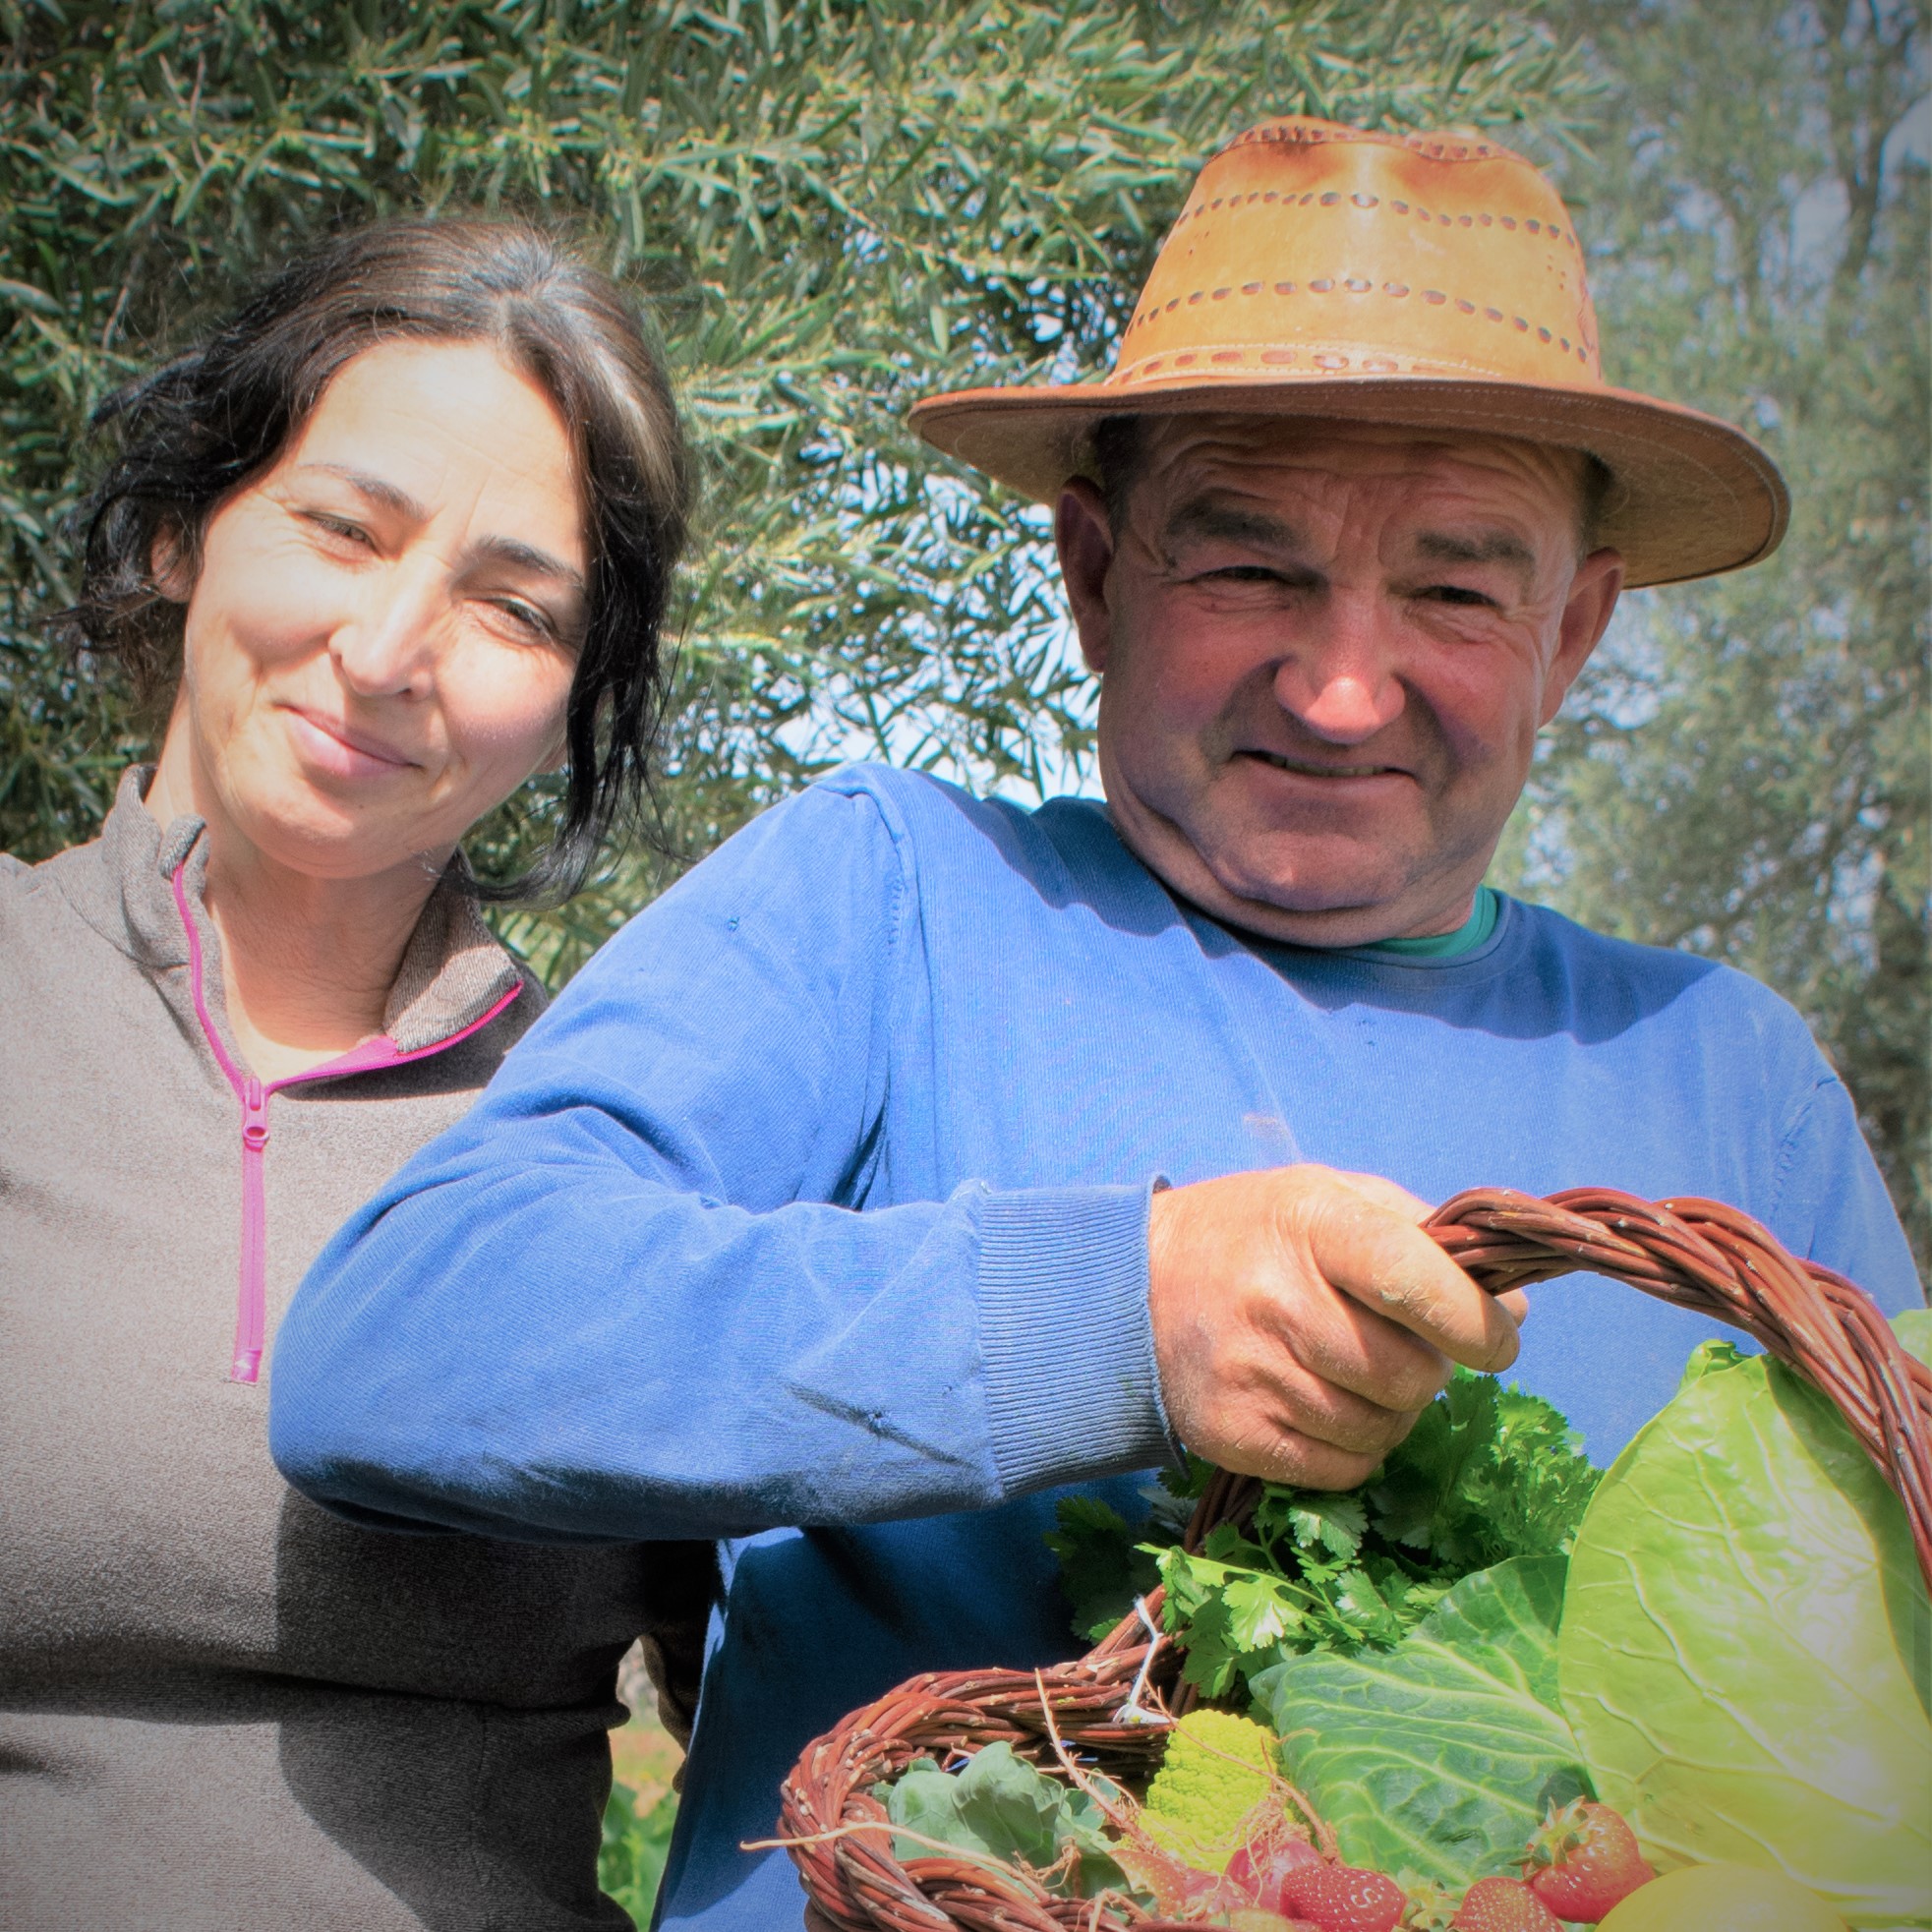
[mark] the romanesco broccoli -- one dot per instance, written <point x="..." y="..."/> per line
<point x="1214" y="1772"/>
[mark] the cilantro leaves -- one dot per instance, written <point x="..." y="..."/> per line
<point x="1487" y="1474"/>
<point x="1103" y="1568"/>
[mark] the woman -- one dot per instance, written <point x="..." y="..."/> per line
<point x="396" y="539"/>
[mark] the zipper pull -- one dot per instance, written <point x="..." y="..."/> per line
<point x="254" y="1116"/>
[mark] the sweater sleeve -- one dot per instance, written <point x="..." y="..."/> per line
<point x="637" y="1292"/>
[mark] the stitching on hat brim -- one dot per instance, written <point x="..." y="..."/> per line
<point x="1633" y="432"/>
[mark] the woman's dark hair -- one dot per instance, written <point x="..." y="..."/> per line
<point x="210" y="420"/>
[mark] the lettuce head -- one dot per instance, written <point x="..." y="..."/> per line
<point x="1745" y="1644"/>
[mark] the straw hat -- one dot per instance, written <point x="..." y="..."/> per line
<point x="1432" y="281"/>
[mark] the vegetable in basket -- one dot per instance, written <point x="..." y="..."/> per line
<point x="1738" y="1659"/>
<point x="998" y="1806"/>
<point x="1438" y="1759"/>
<point x="1216" y="1770"/>
<point x="1487" y="1474"/>
<point x="1745" y="1640"/>
<point x="1736" y="1653"/>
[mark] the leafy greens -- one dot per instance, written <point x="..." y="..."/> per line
<point x="1728" y="1629"/>
<point x="1745" y="1640"/>
<point x="1436" y="1759"/>
<point x="1488" y="1473"/>
<point x="999" y="1806"/>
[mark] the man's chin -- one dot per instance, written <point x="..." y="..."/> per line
<point x="1334" y="927"/>
<point x="1331" y="890"/>
<point x="1331" y="907"/>
<point x="1353" y="888"/>
<point x="1300" y="913"/>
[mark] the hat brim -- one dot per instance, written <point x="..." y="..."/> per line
<point x="1690" y="496"/>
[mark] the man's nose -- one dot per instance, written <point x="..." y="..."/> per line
<point x="387" y="644"/>
<point x="1338" y="680"/>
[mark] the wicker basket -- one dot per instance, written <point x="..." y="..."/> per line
<point x="1696" y="1254"/>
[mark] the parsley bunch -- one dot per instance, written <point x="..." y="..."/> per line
<point x="1488" y="1473"/>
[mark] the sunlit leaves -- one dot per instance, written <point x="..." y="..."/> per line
<point x="833" y="207"/>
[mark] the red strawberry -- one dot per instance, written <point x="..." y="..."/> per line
<point x="1343" y="1898"/>
<point x="1502" y="1904"/>
<point x="1583" y="1860"/>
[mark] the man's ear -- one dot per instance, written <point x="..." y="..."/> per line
<point x="1084" y="535"/>
<point x="1594" y="591"/>
<point x="169" y="566"/>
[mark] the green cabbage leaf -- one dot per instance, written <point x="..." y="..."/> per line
<point x="1436" y="1759"/>
<point x="999" y="1807"/>
<point x="1745" y="1644"/>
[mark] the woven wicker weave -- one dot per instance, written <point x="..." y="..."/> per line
<point x="1697" y="1254"/>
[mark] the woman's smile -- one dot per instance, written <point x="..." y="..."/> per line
<point x="340" y="750"/>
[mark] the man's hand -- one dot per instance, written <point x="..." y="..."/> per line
<point x="1302" y="1320"/>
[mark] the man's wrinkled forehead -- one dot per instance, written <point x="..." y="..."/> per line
<point x="1190" y="470"/>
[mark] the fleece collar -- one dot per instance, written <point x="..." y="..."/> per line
<point x="453" y="971"/>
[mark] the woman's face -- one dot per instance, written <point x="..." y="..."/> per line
<point x="382" y="633"/>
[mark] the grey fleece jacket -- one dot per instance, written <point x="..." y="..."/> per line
<point x="219" y="1706"/>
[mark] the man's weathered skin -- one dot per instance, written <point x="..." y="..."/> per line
<point x="1300" y="1326"/>
<point x="1325" y="658"/>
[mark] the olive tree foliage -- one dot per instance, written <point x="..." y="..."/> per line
<point x="1745" y="769"/>
<point x="831" y="208"/>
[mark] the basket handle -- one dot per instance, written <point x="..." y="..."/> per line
<point x="1698" y="1255"/>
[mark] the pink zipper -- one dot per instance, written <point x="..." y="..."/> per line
<point x="250" y="1302"/>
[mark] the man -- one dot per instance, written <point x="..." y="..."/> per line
<point x="916" y="1156"/>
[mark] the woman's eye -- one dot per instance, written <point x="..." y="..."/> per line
<point x="526" y="616"/>
<point x="339" y="527"/>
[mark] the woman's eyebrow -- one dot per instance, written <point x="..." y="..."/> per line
<point x="498" y="550"/>
<point x="375" y="489"/>
<point x="527" y="557"/>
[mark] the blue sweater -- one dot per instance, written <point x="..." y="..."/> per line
<point x="819" y="1198"/>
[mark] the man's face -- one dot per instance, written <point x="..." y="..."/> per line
<point x="1326" y="653"/>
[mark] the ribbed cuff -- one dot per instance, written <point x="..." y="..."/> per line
<point x="1071" y="1389"/>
